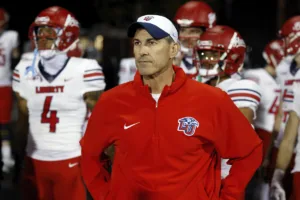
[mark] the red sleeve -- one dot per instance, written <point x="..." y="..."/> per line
<point x="237" y="141"/>
<point x="98" y="136"/>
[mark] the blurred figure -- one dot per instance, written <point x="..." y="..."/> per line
<point x="267" y="110"/>
<point x="193" y="18"/>
<point x="219" y="56"/>
<point x="127" y="70"/>
<point x="54" y="91"/>
<point x="288" y="74"/>
<point x="9" y="55"/>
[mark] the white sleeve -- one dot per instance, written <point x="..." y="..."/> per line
<point x="245" y="94"/>
<point x="18" y="84"/>
<point x="14" y="39"/>
<point x="93" y="78"/>
<point x="250" y="76"/>
<point x="124" y="72"/>
<point x="296" y="101"/>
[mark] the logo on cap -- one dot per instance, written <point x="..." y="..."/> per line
<point x="148" y="18"/>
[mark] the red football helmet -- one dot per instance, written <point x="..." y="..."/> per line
<point x="63" y="22"/>
<point x="274" y="52"/>
<point x="195" y="14"/>
<point x="220" y="50"/>
<point x="290" y="31"/>
<point x="4" y="17"/>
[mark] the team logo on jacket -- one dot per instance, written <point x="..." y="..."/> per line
<point x="187" y="125"/>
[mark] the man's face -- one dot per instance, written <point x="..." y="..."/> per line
<point x="151" y="55"/>
<point x="46" y="37"/>
<point x="208" y="58"/>
<point x="189" y="36"/>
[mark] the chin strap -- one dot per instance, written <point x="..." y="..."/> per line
<point x="31" y="68"/>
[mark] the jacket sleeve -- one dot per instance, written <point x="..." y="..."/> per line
<point x="98" y="136"/>
<point x="236" y="140"/>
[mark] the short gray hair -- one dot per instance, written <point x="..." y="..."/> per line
<point x="169" y="39"/>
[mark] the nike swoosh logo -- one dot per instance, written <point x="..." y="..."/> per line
<point x="72" y="165"/>
<point x="127" y="127"/>
<point x="68" y="79"/>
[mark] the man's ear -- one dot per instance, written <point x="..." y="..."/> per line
<point x="175" y="48"/>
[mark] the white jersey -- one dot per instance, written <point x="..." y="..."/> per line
<point x="8" y="42"/>
<point x="57" y="110"/>
<point x="270" y="98"/>
<point x="244" y="94"/>
<point x="286" y="74"/>
<point x="127" y="70"/>
<point x="296" y="107"/>
<point x="188" y="67"/>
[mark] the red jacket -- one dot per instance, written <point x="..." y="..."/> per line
<point x="170" y="150"/>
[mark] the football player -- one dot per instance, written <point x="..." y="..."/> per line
<point x="268" y="108"/>
<point x="54" y="91"/>
<point x="9" y="55"/>
<point x="193" y="18"/>
<point x="219" y="55"/>
<point x="286" y="71"/>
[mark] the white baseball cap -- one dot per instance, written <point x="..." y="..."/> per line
<point x="157" y="26"/>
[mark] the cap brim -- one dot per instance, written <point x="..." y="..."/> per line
<point x="153" y="30"/>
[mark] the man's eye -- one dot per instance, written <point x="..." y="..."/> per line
<point x="136" y="43"/>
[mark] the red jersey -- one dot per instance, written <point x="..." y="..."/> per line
<point x="169" y="150"/>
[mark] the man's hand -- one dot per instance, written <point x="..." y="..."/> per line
<point x="276" y="191"/>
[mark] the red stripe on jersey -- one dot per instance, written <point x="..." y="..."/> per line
<point x="288" y="96"/>
<point x="93" y="74"/>
<point x="278" y="91"/>
<point x="16" y="75"/>
<point x="289" y="82"/>
<point x="245" y="95"/>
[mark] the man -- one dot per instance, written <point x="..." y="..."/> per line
<point x="266" y="79"/>
<point x="266" y="114"/>
<point x="281" y="184"/>
<point x="53" y="92"/>
<point x="193" y="18"/>
<point x="9" y="54"/>
<point x="169" y="131"/>
<point x="286" y="148"/>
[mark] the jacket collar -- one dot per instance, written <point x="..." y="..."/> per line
<point x="178" y="82"/>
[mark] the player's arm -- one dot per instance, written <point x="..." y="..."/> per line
<point x="22" y="125"/>
<point x="91" y="98"/>
<point x="15" y="53"/>
<point x="276" y="128"/>
<point x="248" y="113"/>
<point x="237" y="141"/>
<point x="246" y="95"/>
<point x="288" y="142"/>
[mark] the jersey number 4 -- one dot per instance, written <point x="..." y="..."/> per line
<point x="2" y="58"/>
<point x="275" y="107"/>
<point x="49" y="116"/>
